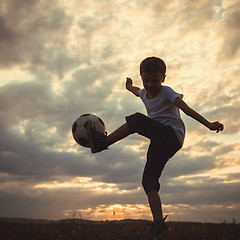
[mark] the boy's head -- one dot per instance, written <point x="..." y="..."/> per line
<point x="152" y="71"/>
<point x="153" y="64"/>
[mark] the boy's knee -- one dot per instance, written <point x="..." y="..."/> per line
<point x="149" y="185"/>
<point x="136" y="117"/>
<point x="133" y="121"/>
<point x="139" y="117"/>
<point x="138" y="114"/>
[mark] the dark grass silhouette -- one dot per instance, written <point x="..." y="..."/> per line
<point x="114" y="230"/>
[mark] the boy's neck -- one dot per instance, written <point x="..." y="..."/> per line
<point x="151" y="96"/>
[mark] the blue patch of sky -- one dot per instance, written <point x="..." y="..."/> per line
<point x="221" y="10"/>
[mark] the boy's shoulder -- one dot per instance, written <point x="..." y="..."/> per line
<point x="166" y="87"/>
<point x="142" y="91"/>
<point x="171" y="94"/>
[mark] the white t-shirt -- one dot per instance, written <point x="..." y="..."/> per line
<point x="163" y="109"/>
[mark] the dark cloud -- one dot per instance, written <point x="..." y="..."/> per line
<point x="34" y="104"/>
<point x="34" y="35"/>
<point x="5" y="33"/>
<point x="204" y="190"/>
<point x="183" y="164"/>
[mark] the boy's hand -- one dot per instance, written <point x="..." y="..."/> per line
<point x="131" y="88"/>
<point x="129" y="82"/>
<point x="216" y="126"/>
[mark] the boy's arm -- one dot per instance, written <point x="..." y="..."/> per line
<point x="190" y="112"/>
<point x="131" y="88"/>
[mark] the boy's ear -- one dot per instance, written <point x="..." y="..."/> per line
<point x="164" y="78"/>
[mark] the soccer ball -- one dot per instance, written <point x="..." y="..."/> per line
<point x="79" y="128"/>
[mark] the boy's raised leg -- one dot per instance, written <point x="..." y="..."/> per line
<point x="118" y="134"/>
<point x="100" y="141"/>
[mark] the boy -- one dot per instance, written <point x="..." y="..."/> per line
<point x="163" y="126"/>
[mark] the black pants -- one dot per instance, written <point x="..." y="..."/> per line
<point x="164" y="144"/>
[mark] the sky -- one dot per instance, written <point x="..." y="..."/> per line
<point x="61" y="59"/>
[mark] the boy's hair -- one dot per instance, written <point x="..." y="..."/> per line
<point x="153" y="64"/>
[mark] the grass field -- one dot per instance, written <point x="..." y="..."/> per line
<point x="114" y="230"/>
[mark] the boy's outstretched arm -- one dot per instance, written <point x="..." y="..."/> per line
<point x="190" y="112"/>
<point x="131" y="88"/>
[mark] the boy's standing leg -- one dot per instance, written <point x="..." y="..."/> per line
<point x="155" y="164"/>
<point x="155" y="205"/>
<point x="153" y="195"/>
<point x="152" y="171"/>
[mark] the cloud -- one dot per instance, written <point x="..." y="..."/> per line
<point x="229" y="27"/>
<point x="6" y="34"/>
<point x="183" y="164"/>
<point x="34" y="35"/>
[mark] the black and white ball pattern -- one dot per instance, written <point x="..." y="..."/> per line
<point x="79" y="128"/>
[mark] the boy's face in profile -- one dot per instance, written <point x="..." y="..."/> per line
<point x="152" y="82"/>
